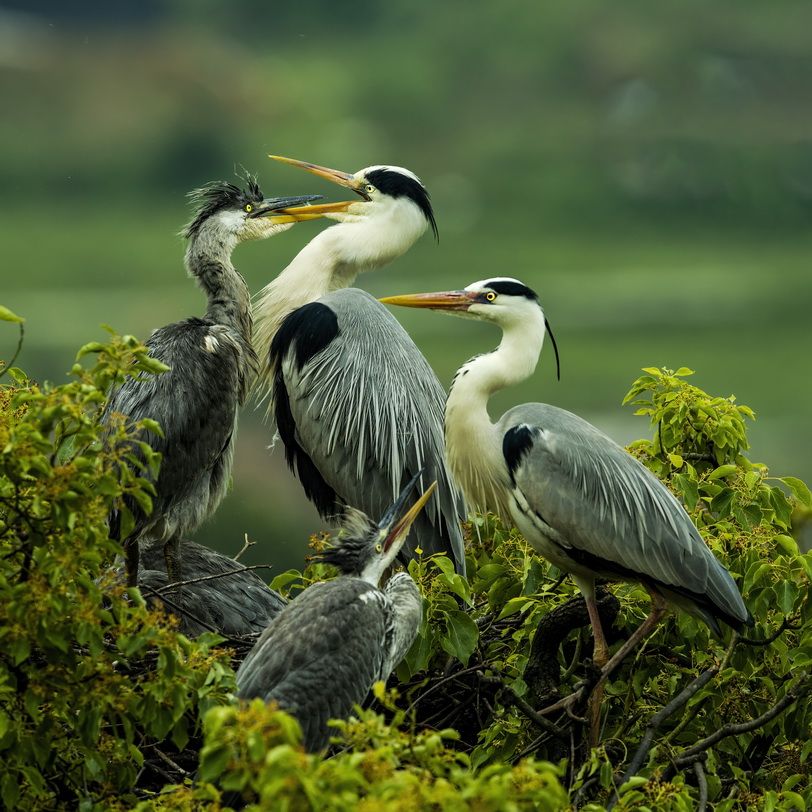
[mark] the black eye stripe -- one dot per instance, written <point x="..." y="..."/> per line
<point x="510" y="288"/>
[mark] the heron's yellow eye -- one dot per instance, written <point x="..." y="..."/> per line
<point x="378" y="547"/>
<point x="490" y="295"/>
<point x="370" y="188"/>
<point x="249" y="208"/>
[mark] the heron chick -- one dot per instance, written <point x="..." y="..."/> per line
<point x="326" y="648"/>
<point x="356" y="405"/>
<point x="211" y="364"/>
<point x="218" y="593"/>
<point x="580" y="500"/>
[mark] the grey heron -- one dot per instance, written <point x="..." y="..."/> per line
<point x="227" y="598"/>
<point x="355" y="403"/>
<point x="580" y="500"/>
<point x="331" y="643"/>
<point x="211" y="367"/>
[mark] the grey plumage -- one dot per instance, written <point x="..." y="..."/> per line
<point x="235" y="605"/>
<point x="580" y="499"/>
<point x="357" y="407"/>
<point x="598" y="511"/>
<point x="211" y="367"/>
<point x="327" y="647"/>
<point x="321" y="655"/>
<point x="368" y="413"/>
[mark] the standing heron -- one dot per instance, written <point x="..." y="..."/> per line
<point x="211" y="367"/>
<point x="218" y="593"/>
<point x="580" y="500"/>
<point x="357" y="406"/>
<point x="330" y="644"/>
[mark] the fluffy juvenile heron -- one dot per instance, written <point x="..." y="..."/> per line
<point x="212" y="365"/>
<point x="232" y="601"/>
<point x="357" y="406"/>
<point x="580" y="500"/>
<point x="330" y="644"/>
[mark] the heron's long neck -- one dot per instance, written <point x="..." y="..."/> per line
<point x="208" y="259"/>
<point x="473" y="442"/>
<point x="316" y="270"/>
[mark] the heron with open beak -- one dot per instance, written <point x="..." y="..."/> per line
<point x="355" y="403"/>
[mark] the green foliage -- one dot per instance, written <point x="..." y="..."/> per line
<point x="88" y="675"/>
<point x="92" y="681"/>
<point x="253" y="752"/>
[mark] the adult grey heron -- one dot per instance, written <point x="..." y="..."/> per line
<point x="357" y="406"/>
<point x="223" y="596"/>
<point x="211" y="367"/>
<point x="327" y="647"/>
<point x="580" y="500"/>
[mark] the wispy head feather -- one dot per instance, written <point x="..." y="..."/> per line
<point x="352" y="548"/>
<point x="218" y="195"/>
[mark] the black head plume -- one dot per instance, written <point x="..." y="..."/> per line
<point x="351" y="551"/>
<point x="218" y="195"/>
<point x="396" y="184"/>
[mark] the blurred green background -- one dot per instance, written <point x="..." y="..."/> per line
<point x="647" y="168"/>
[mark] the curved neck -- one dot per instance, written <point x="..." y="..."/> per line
<point x="208" y="259"/>
<point x="332" y="260"/>
<point x="473" y="443"/>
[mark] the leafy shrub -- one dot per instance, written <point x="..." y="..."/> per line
<point x="89" y="677"/>
<point x="93" y="684"/>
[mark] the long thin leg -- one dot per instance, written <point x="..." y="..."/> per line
<point x="600" y="656"/>
<point x="131" y="555"/>
<point x="646" y="627"/>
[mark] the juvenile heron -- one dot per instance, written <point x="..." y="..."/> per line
<point x="228" y="599"/>
<point x="328" y="646"/>
<point x="580" y="500"/>
<point x="212" y="365"/>
<point x="357" y="406"/>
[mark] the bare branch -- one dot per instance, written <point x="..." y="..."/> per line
<point x="248" y="543"/>
<point x="786" y="623"/>
<point x="679" y="701"/>
<point x="525" y="707"/>
<point x="174" y="584"/>
<point x="701" y="782"/>
<point x="689" y="755"/>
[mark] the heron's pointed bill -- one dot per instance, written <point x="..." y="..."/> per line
<point x="333" y="175"/>
<point x="398" y="529"/>
<point x="444" y="300"/>
<point x="271" y="206"/>
<point x="298" y="214"/>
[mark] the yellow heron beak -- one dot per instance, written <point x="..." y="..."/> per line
<point x="401" y="528"/>
<point x="443" y="300"/>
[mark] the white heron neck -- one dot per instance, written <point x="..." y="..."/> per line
<point x="332" y="260"/>
<point x="473" y="444"/>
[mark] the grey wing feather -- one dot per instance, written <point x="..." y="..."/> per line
<point x="604" y="502"/>
<point x="406" y="612"/>
<point x="236" y="604"/>
<point x="369" y="412"/>
<point x="320" y="656"/>
<point x="195" y="403"/>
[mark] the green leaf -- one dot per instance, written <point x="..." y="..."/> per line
<point x="513" y="605"/>
<point x="461" y="637"/>
<point x="723" y="471"/>
<point x="7" y="315"/>
<point x="684" y="372"/>
<point x="799" y="490"/>
<point x="676" y="460"/>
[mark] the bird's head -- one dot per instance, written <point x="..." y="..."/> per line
<point x="230" y="214"/>
<point x="393" y="212"/>
<point x="503" y="300"/>
<point x="365" y="548"/>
